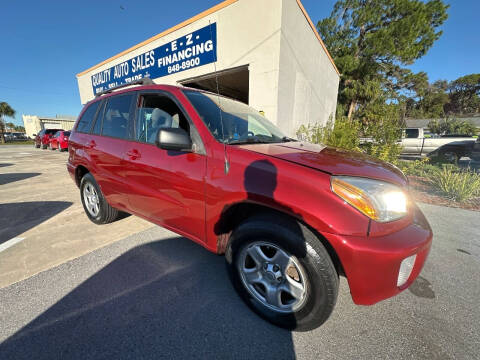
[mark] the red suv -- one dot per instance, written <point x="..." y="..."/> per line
<point x="59" y="141"/>
<point x="43" y="137"/>
<point x="290" y="217"/>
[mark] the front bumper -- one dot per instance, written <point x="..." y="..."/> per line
<point x="372" y="264"/>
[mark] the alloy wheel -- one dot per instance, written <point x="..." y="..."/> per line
<point x="273" y="276"/>
<point x="91" y="200"/>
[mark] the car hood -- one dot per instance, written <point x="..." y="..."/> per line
<point x="331" y="160"/>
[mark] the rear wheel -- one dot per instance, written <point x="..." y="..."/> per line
<point x="283" y="272"/>
<point x="450" y="156"/>
<point x="96" y="207"/>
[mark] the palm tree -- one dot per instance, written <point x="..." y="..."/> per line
<point x="5" y="110"/>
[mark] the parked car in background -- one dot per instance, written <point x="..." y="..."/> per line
<point x="42" y="139"/>
<point x="20" y="136"/>
<point x="416" y="142"/>
<point x="290" y="217"/>
<point x="59" y="141"/>
<point x="453" y="151"/>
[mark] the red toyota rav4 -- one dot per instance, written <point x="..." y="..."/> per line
<point x="290" y="217"/>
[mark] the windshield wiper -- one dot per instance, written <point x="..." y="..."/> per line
<point x="288" y="139"/>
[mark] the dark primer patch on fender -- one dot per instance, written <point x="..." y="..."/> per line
<point x="463" y="251"/>
<point x="422" y="288"/>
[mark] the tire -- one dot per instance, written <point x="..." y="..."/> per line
<point x="450" y="157"/>
<point x="104" y="213"/>
<point x="36" y="146"/>
<point x="44" y="147"/>
<point x="310" y="268"/>
<point x="50" y="146"/>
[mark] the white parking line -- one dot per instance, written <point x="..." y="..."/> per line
<point x="10" y="243"/>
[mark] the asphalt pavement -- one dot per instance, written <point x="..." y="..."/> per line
<point x="156" y="295"/>
<point x="42" y="221"/>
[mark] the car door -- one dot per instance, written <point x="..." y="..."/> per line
<point x="166" y="187"/>
<point x="411" y="143"/>
<point x="106" y="147"/>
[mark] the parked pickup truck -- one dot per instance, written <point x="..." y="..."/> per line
<point x="417" y="142"/>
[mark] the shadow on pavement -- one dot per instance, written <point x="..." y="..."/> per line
<point x="5" y="165"/>
<point x="166" y="299"/>
<point x="12" y="177"/>
<point x="16" y="218"/>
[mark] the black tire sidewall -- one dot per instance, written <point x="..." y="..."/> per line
<point x="322" y="286"/>
<point x="100" y="218"/>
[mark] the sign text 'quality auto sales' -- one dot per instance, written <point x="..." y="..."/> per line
<point x="186" y="52"/>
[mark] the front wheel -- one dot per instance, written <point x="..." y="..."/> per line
<point x="96" y="207"/>
<point x="283" y="272"/>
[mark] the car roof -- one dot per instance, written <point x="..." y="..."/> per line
<point x="151" y="87"/>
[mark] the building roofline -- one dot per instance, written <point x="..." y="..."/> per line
<point x="317" y="34"/>
<point x="198" y="17"/>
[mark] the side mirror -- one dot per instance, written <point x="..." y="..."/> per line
<point x="173" y="139"/>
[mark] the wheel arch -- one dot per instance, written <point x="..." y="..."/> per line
<point x="80" y="172"/>
<point x="239" y="212"/>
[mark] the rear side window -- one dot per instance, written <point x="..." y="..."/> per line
<point x="66" y="133"/>
<point x="116" y="116"/>
<point x="85" y="121"/>
<point x="50" y="131"/>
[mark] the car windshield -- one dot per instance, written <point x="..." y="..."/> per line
<point x="233" y="122"/>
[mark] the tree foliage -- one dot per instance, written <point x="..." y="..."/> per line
<point x="452" y="127"/>
<point x="5" y="110"/>
<point x="464" y="95"/>
<point x="371" y="41"/>
<point x="442" y="99"/>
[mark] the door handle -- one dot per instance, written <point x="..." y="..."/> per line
<point x="133" y="154"/>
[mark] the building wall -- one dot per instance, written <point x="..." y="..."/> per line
<point x="33" y="124"/>
<point x="308" y="83"/>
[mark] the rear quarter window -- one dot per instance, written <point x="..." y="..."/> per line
<point x="116" y="116"/>
<point x="85" y="121"/>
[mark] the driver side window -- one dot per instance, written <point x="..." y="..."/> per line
<point x="157" y="112"/>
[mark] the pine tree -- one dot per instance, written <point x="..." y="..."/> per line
<point x="372" y="40"/>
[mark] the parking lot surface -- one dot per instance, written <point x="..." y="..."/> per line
<point x="42" y="222"/>
<point x="153" y="294"/>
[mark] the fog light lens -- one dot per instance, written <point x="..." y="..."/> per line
<point x="406" y="268"/>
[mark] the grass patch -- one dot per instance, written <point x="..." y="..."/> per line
<point x="22" y="142"/>
<point x="460" y="185"/>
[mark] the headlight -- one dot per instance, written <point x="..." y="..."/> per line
<point x="379" y="200"/>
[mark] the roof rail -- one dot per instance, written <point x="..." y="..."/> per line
<point x="142" y="81"/>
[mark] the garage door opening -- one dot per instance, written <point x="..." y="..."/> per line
<point x="231" y="82"/>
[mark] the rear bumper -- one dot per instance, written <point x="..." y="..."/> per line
<point x="372" y="264"/>
<point x="71" y="171"/>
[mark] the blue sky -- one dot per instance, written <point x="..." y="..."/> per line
<point x="46" y="43"/>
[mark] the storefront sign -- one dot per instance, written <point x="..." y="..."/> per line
<point x="186" y="52"/>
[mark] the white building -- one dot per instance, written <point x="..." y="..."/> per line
<point x="34" y="123"/>
<point x="268" y="54"/>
